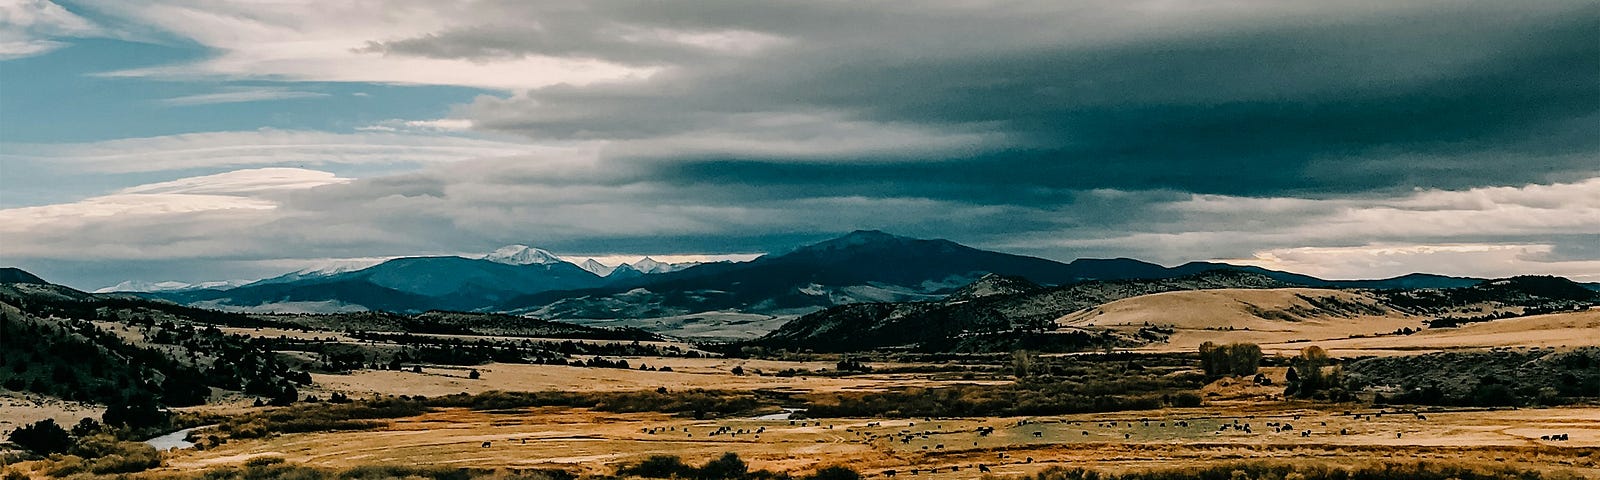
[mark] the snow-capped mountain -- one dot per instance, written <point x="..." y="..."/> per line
<point x="321" y="270"/>
<point x="522" y="255"/>
<point x="650" y="265"/>
<point x="168" y="286"/>
<point x="596" y="268"/>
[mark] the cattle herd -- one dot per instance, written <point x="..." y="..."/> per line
<point x="872" y="432"/>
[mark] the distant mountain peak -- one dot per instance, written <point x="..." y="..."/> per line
<point x="651" y="265"/>
<point x="522" y="255"/>
<point x="596" y="268"/>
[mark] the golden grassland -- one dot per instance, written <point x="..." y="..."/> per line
<point x="1282" y="322"/>
<point x="588" y="441"/>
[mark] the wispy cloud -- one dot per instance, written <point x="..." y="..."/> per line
<point x="241" y="95"/>
<point x="36" y="27"/>
<point x="266" y="147"/>
<point x="435" y="125"/>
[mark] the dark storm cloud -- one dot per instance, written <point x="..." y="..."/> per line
<point x="1441" y="98"/>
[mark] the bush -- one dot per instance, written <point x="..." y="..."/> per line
<point x="834" y="473"/>
<point x="657" y="466"/>
<point x="727" y="467"/>
<point x="43" y="437"/>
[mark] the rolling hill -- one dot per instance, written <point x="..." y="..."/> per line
<point x="1011" y="317"/>
<point x="1179" y="314"/>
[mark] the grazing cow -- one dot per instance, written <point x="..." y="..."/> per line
<point x="1038" y="434"/>
<point x="485" y="444"/>
<point x="983" y="468"/>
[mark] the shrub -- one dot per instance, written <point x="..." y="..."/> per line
<point x="834" y="473"/>
<point x="657" y="466"/>
<point x="43" y="437"/>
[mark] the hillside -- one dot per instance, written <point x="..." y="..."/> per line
<point x="1489" y="313"/>
<point x="1003" y="313"/>
<point x="1554" y="330"/>
<point x="54" y="347"/>
<point x="997" y="322"/>
<point x="1270" y="316"/>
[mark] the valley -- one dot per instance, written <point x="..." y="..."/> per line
<point x="963" y="374"/>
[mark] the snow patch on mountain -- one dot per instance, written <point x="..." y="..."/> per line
<point x="523" y="255"/>
<point x="168" y="286"/>
<point x="596" y="268"/>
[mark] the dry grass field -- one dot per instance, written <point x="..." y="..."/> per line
<point x="596" y="442"/>
<point x="688" y="373"/>
<point x="1282" y="321"/>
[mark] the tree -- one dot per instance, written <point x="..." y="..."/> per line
<point x="1308" y="374"/>
<point x="85" y="427"/>
<point x="1021" y="363"/>
<point x="136" y="411"/>
<point x="473" y="375"/>
<point x="729" y="466"/>
<point x="43" y="437"/>
<point x="737" y="370"/>
<point x="1232" y="359"/>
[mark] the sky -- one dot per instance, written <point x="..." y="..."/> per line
<point x="189" y="140"/>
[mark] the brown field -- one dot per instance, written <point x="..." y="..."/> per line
<point x="1280" y="322"/>
<point x="18" y="409"/>
<point x="583" y="440"/>
<point x="689" y="373"/>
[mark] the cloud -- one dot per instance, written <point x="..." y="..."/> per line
<point x="321" y="41"/>
<point x="1379" y="261"/>
<point x="196" y="216"/>
<point x="266" y="147"/>
<point x="1251" y="98"/>
<point x="429" y="126"/>
<point x="32" y="27"/>
<point x="241" y="95"/>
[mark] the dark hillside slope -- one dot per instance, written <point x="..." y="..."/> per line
<point x="991" y="323"/>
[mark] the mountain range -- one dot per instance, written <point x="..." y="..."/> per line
<point x="862" y="266"/>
